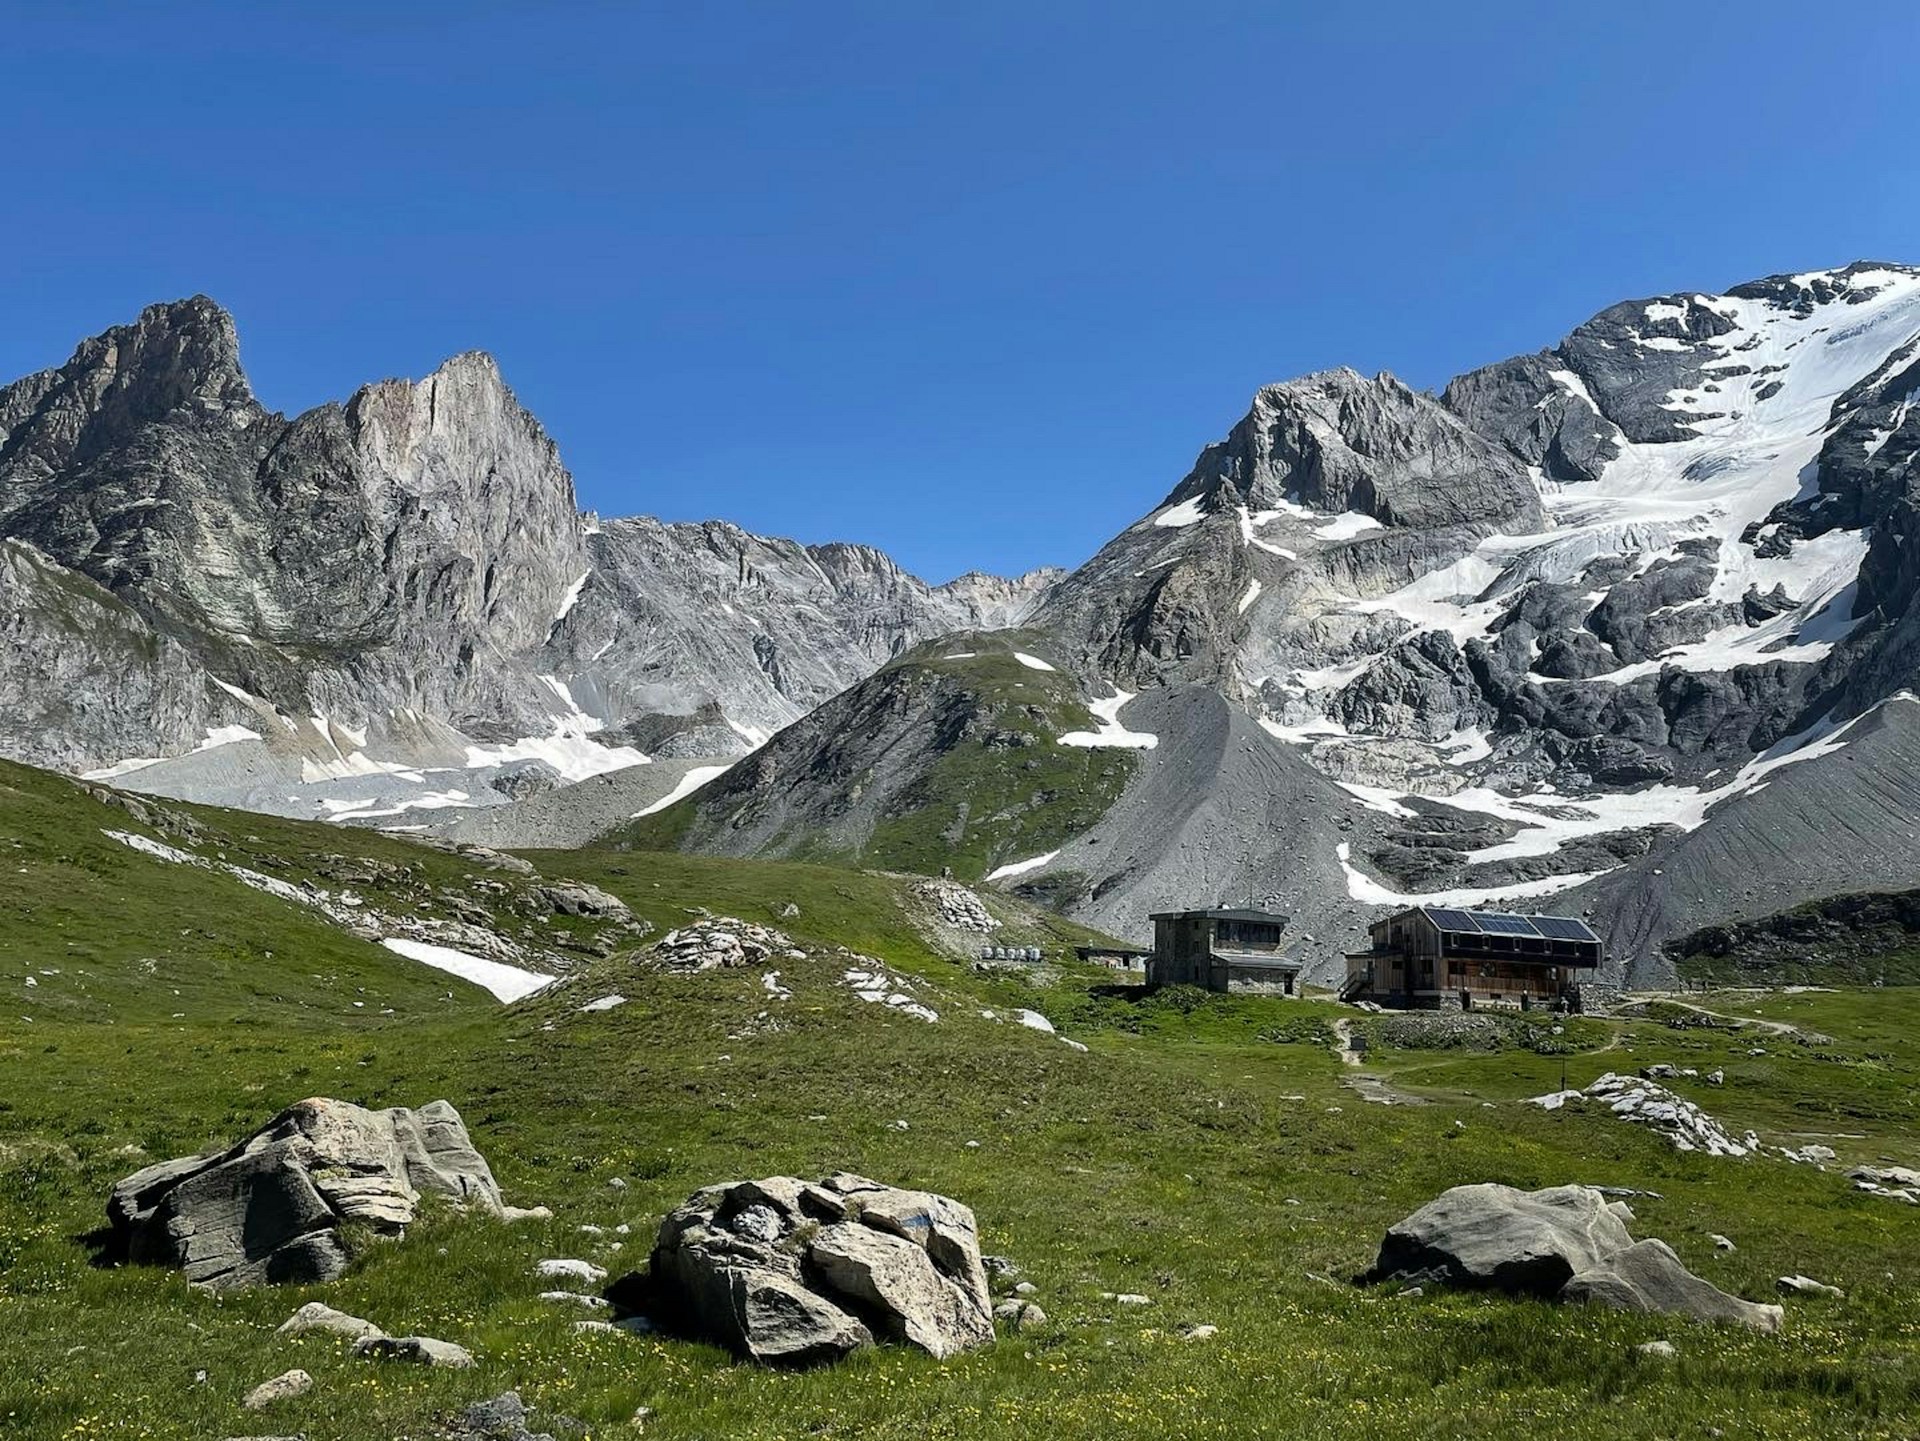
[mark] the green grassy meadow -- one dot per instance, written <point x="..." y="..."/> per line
<point x="1204" y="1151"/>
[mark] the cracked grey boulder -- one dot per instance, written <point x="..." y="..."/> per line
<point x="1565" y="1243"/>
<point x="269" y="1210"/>
<point x="786" y="1272"/>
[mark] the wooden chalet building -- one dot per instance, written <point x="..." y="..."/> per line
<point x="1439" y="957"/>
<point x="1223" y="950"/>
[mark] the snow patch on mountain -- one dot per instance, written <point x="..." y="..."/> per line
<point x="686" y="786"/>
<point x="1365" y="889"/>
<point x="1020" y="868"/>
<point x="505" y="983"/>
<point x="1111" y="732"/>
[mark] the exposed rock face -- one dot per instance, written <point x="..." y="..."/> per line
<point x="270" y="1209"/>
<point x="766" y="629"/>
<point x="1676" y="551"/>
<point x="387" y="581"/>
<point x="1564" y="1243"/>
<point x="791" y="1273"/>
<point x="1338" y="442"/>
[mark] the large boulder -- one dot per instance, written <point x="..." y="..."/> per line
<point x="269" y="1210"/>
<point x="1495" y="1237"/>
<point x="1565" y="1243"/>
<point x="787" y="1272"/>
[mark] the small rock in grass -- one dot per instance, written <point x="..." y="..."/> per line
<point x="283" y="1387"/>
<point x="590" y="1327"/>
<point x="635" y="1325"/>
<point x="1021" y="1315"/>
<point x="419" y="1350"/>
<point x="570" y="1270"/>
<point x="318" y="1316"/>
<point x="575" y="1298"/>
<point x="1126" y="1298"/>
<point x="511" y="1214"/>
<point x="1807" y="1286"/>
<point x="1721" y="1243"/>
<point x="1199" y="1333"/>
<point x="1025" y="1288"/>
<point x="1663" y="1350"/>
<point x="506" y="1418"/>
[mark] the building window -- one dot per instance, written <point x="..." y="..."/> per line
<point x="1252" y="933"/>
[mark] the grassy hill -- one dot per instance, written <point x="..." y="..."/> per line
<point x="948" y="758"/>
<point x="1864" y="939"/>
<point x="1206" y="1152"/>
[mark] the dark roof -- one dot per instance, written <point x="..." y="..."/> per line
<point x="1221" y="914"/>
<point x="1506" y="923"/>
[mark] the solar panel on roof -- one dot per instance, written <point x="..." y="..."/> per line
<point x="1564" y="928"/>
<point x="1500" y="923"/>
<point x="1453" y="920"/>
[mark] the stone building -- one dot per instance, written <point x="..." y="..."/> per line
<point x="1223" y="950"/>
<point x="1438" y="957"/>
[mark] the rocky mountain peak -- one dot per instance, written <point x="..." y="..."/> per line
<point x="179" y="360"/>
<point x="460" y="429"/>
<point x="1339" y="441"/>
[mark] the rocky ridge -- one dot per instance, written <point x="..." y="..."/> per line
<point x="387" y="603"/>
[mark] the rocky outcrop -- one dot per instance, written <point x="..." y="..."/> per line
<point x="721" y="943"/>
<point x="792" y="1273"/>
<point x="1566" y="1243"/>
<point x="408" y="566"/>
<point x="1338" y="442"/>
<point x="269" y="1210"/>
<point x="1640" y="1101"/>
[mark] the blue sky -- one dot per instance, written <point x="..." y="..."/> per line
<point x="972" y="283"/>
